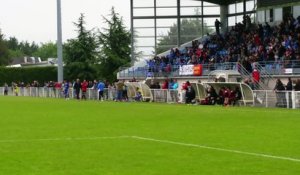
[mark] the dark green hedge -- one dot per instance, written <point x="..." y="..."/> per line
<point x="27" y="75"/>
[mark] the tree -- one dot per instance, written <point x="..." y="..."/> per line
<point x="4" y="52"/>
<point x="190" y="30"/>
<point x="80" y="54"/>
<point x="115" y="44"/>
<point x="46" y="50"/>
<point x="13" y="43"/>
<point x="20" y="49"/>
<point x="28" y="48"/>
<point x="83" y="48"/>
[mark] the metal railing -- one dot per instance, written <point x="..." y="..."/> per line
<point x="45" y="92"/>
<point x="267" y="68"/>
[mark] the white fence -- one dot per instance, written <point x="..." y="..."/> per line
<point x="45" y="92"/>
<point x="268" y="99"/>
<point x="282" y="99"/>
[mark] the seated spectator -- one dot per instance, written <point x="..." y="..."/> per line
<point x="211" y="97"/>
<point x="138" y="96"/>
<point x="227" y="95"/>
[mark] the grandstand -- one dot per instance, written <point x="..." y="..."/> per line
<point x="152" y="21"/>
<point x="255" y="36"/>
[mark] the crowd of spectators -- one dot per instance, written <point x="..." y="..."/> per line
<point x="244" y="43"/>
<point x="78" y="89"/>
<point x="99" y="90"/>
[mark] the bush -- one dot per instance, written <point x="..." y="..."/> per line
<point x="27" y="75"/>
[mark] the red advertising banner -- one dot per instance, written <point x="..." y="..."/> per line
<point x="198" y="70"/>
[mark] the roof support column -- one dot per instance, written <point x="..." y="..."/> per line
<point x="178" y="24"/>
<point x="244" y="7"/>
<point x="132" y="34"/>
<point x="224" y="18"/>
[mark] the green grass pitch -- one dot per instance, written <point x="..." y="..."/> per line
<point x="58" y="137"/>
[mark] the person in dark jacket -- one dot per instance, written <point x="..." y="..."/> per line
<point x="280" y="94"/>
<point x="77" y="87"/>
<point x="297" y="85"/>
<point x="289" y="88"/>
<point x="190" y="93"/>
<point x="217" y="25"/>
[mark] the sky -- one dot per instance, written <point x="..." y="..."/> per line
<point x="35" y="20"/>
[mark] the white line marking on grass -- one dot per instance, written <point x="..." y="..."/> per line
<point x="63" y="139"/>
<point x="155" y="140"/>
<point x="216" y="149"/>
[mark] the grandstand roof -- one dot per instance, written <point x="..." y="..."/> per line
<point x="222" y="2"/>
<point x="260" y="3"/>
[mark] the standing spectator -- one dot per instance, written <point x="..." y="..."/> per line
<point x="165" y="85"/>
<point x="119" y="86"/>
<point x="217" y="25"/>
<point x="111" y="91"/>
<point x="5" y="89"/>
<point x="77" y="87"/>
<point x="100" y="87"/>
<point x="125" y="96"/>
<point x="256" y="78"/>
<point x="16" y="89"/>
<point x="280" y="94"/>
<point x="289" y="85"/>
<point x="95" y="90"/>
<point x="157" y="86"/>
<point x="51" y="89"/>
<point x="152" y="85"/>
<point x="289" y="88"/>
<point x="248" y="22"/>
<point x="297" y="85"/>
<point x="90" y="84"/>
<point x="84" y="86"/>
<point x="66" y="87"/>
<point x="190" y="93"/>
<point x="58" y="87"/>
<point x="22" y="86"/>
<point x="174" y="92"/>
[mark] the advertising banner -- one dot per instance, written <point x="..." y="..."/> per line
<point x="195" y="70"/>
<point x="186" y="70"/>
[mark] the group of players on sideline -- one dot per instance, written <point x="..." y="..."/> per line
<point x="118" y="90"/>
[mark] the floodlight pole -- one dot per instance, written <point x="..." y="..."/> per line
<point x="60" y="75"/>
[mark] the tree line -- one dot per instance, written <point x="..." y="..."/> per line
<point x="92" y="54"/>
